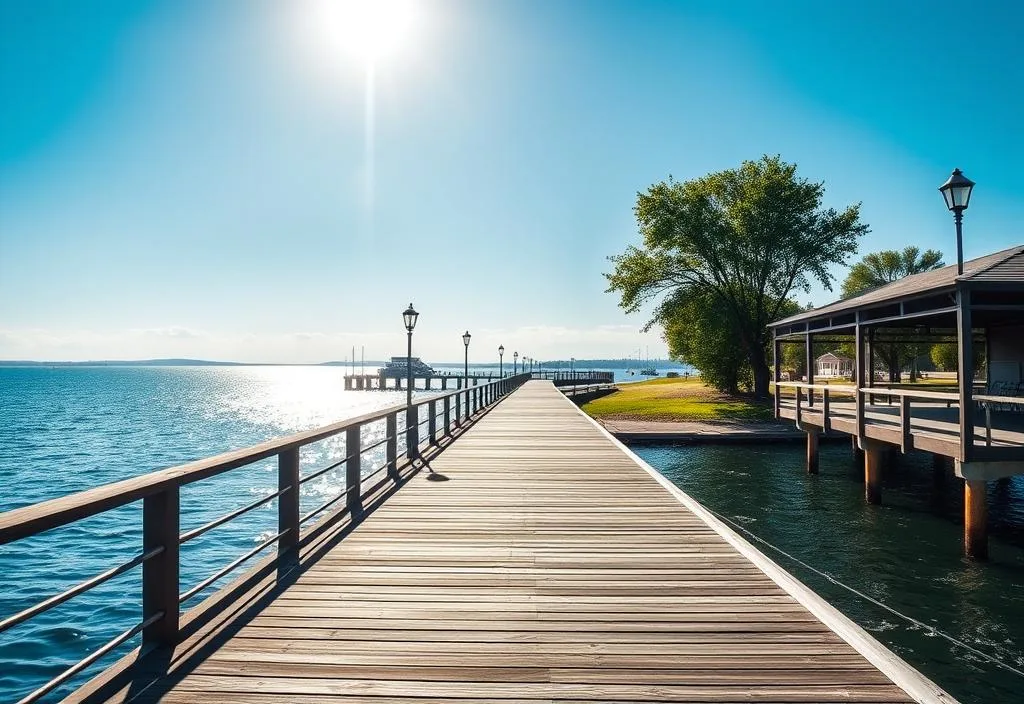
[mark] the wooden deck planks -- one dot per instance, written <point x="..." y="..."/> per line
<point x="545" y="565"/>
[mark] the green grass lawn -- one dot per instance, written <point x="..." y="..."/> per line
<point x="675" y="399"/>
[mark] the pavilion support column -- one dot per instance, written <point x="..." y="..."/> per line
<point x="858" y="382"/>
<point x="809" y="354"/>
<point x="966" y="372"/>
<point x="874" y="459"/>
<point x="812" y="450"/>
<point x="776" y="370"/>
<point x="975" y="519"/>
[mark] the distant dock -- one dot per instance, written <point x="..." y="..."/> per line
<point x="429" y="382"/>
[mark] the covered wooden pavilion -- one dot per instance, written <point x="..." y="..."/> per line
<point x="980" y="425"/>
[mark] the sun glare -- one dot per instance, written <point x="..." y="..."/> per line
<point x="368" y="30"/>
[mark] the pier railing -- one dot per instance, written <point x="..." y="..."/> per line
<point x="815" y="404"/>
<point x="162" y="537"/>
<point x="575" y="377"/>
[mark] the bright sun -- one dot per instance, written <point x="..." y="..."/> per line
<point x="367" y="30"/>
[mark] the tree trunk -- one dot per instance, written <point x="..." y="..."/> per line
<point x="894" y="373"/>
<point x="762" y="375"/>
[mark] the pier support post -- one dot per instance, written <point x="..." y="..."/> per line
<point x="874" y="459"/>
<point x="812" y="450"/>
<point x="858" y="454"/>
<point x="427" y="382"/>
<point x="444" y="383"/>
<point x="975" y="519"/>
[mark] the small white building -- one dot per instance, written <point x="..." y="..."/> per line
<point x="832" y="365"/>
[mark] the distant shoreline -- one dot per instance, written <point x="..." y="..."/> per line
<point x="552" y="365"/>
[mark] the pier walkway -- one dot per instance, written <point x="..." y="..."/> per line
<point x="533" y="560"/>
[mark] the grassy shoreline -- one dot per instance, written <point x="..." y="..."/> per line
<point x="684" y="399"/>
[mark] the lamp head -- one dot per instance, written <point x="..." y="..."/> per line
<point x="409" y="317"/>
<point x="957" y="191"/>
<point x="465" y="338"/>
<point x="501" y="350"/>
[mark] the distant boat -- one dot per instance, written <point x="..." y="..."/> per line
<point x="398" y="368"/>
<point x="648" y="371"/>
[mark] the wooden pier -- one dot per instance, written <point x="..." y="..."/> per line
<point x="381" y="382"/>
<point x="532" y="558"/>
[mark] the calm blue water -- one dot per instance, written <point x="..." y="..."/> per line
<point x="906" y="553"/>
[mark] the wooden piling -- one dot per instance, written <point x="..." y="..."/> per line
<point x="812" y="450"/>
<point x="975" y="519"/>
<point x="874" y="458"/>
<point x="858" y="454"/>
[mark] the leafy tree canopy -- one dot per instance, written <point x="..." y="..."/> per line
<point x="746" y="238"/>
<point x="880" y="268"/>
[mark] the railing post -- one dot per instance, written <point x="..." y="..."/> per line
<point x="448" y="415"/>
<point x="432" y="425"/>
<point x="859" y="406"/>
<point x="353" y="470"/>
<point x="904" y="424"/>
<point x="160" y="581"/>
<point x="458" y="409"/>
<point x="799" y="400"/>
<point x="826" y="424"/>
<point x="412" y="433"/>
<point x="391" y="446"/>
<point x="288" y="506"/>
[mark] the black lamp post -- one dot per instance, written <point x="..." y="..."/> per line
<point x="515" y="363"/>
<point x="465" y="341"/>
<point x="572" y="365"/>
<point x="957" y="193"/>
<point x="501" y="357"/>
<point x="409" y="317"/>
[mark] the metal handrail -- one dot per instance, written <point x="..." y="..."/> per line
<point x="160" y="491"/>
<point x="90" y="659"/>
<point x="230" y="567"/>
<point x="84" y="586"/>
<point x="196" y="532"/>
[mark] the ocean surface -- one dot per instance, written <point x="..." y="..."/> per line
<point x="65" y="429"/>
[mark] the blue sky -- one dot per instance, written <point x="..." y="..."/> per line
<point x="190" y="177"/>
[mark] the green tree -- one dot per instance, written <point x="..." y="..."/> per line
<point x="945" y="356"/>
<point x="747" y="238"/>
<point x="695" y="334"/>
<point x="880" y="268"/>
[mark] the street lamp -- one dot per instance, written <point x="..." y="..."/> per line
<point x="465" y="341"/>
<point x="957" y="193"/>
<point x="409" y="317"/>
<point x="515" y="363"/>
<point x="501" y="357"/>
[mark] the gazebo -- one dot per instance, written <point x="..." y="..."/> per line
<point x="832" y="365"/>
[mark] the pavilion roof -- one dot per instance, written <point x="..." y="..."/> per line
<point x="1000" y="267"/>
